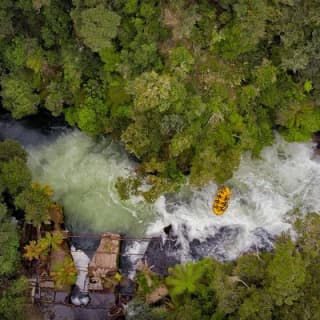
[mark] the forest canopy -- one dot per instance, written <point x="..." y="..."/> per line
<point x="186" y="86"/>
<point x="24" y="208"/>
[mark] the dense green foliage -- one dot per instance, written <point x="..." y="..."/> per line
<point x="31" y="203"/>
<point x="187" y="86"/>
<point x="35" y="201"/>
<point x="14" y="178"/>
<point x="283" y="284"/>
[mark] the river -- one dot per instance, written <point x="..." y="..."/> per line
<point x="83" y="171"/>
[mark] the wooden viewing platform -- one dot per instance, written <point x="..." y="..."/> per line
<point x="100" y="284"/>
<point x="104" y="264"/>
<point x="101" y="269"/>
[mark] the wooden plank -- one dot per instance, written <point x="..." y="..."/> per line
<point x="106" y="256"/>
<point x="104" y="263"/>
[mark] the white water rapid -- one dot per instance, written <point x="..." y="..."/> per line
<point x="83" y="171"/>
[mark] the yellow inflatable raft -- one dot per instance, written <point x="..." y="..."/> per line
<point x="221" y="201"/>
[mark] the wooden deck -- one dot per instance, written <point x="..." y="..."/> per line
<point x="101" y="269"/>
<point x="100" y="273"/>
<point x="104" y="264"/>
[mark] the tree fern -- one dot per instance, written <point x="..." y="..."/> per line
<point x="185" y="279"/>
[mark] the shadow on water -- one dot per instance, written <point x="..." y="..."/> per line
<point x="34" y="130"/>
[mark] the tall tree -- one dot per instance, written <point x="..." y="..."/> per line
<point x="36" y="202"/>
<point x="19" y="96"/>
<point x="97" y="26"/>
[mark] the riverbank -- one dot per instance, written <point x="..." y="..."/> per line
<point x="83" y="172"/>
<point x="265" y="191"/>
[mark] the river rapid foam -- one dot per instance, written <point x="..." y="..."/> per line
<point x="264" y="193"/>
<point x="83" y="171"/>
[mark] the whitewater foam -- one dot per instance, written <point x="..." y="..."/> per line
<point x="83" y="172"/>
<point x="265" y="191"/>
